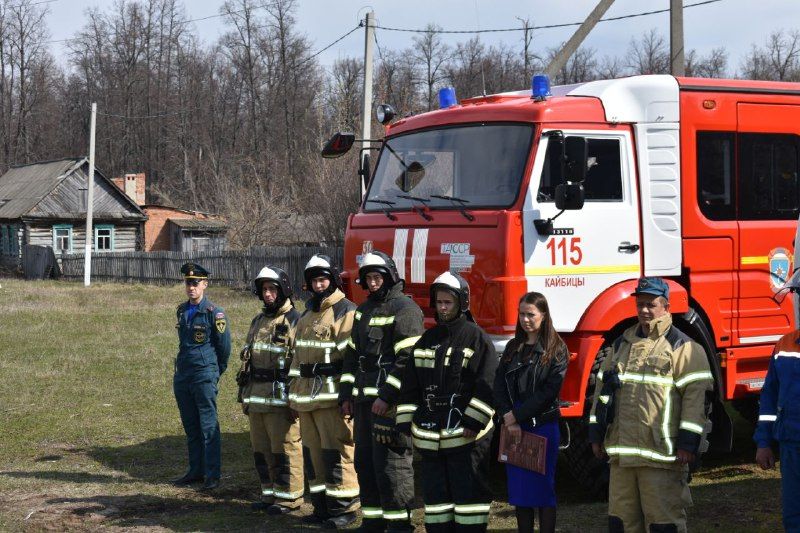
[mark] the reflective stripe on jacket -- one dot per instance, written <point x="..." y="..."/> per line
<point x="779" y="414"/>
<point x="660" y="406"/>
<point x="383" y="335"/>
<point x="267" y="348"/>
<point x="320" y="337"/>
<point x="453" y="361"/>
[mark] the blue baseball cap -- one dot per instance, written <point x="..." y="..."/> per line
<point x="654" y="286"/>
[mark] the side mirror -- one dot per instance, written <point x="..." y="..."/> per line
<point x="576" y="153"/>
<point x="338" y="145"/>
<point x="569" y="196"/>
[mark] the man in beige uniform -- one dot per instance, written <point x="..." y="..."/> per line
<point x="274" y="433"/>
<point x="319" y="345"/>
<point x="648" y="416"/>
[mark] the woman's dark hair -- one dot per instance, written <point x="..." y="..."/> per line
<point x="551" y="341"/>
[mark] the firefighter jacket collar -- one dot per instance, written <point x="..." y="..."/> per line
<point x="327" y="301"/>
<point x="282" y="310"/>
<point x="658" y="328"/>
<point x="387" y="291"/>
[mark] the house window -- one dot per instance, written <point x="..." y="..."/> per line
<point x="62" y="238"/>
<point x="104" y="238"/>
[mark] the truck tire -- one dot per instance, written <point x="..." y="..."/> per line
<point x="589" y="472"/>
<point x="747" y="407"/>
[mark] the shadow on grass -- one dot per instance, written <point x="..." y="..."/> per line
<point x="164" y="458"/>
<point x="176" y="514"/>
<point x="69" y="477"/>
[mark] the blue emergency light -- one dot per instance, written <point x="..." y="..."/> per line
<point x="447" y="97"/>
<point x="540" y="87"/>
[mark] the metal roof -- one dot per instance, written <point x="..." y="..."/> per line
<point x="208" y="224"/>
<point x="24" y="186"/>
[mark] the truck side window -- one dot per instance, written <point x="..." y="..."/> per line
<point x="715" y="174"/>
<point x="768" y="176"/>
<point x="603" y="177"/>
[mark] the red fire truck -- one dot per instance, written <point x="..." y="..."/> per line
<point x="577" y="193"/>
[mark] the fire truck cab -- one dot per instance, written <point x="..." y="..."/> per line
<point x="694" y="180"/>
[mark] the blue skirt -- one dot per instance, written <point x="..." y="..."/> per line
<point x="527" y="488"/>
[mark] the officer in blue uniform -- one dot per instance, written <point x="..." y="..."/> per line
<point x="779" y="417"/>
<point x="204" y="347"/>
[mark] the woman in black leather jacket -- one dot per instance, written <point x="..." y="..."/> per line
<point x="526" y="389"/>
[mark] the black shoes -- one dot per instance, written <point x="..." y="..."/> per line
<point x="276" y="509"/>
<point x="186" y="480"/>
<point x="313" y="518"/>
<point x="260" y="506"/>
<point x="339" y="522"/>
<point x="210" y="484"/>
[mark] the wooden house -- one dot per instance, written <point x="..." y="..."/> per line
<point x="45" y="204"/>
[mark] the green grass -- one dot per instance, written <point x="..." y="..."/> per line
<point x="91" y="434"/>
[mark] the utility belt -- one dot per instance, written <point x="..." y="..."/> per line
<point x="272" y="374"/>
<point x="368" y="363"/>
<point x="312" y="370"/>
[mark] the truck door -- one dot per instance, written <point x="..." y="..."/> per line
<point x="592" y="248"/>
<point x="769" y="196"/>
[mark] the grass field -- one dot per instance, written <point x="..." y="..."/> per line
<point x="91" y="435"/>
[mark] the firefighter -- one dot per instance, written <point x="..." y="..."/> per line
<point x="779" y="418"/>
<point x="444" y="396"/>
<point x="320" y="341"/>
<point x="650" y="422"/>
<point x="274" y="433"/>
<point x="386" y="327"/>
<point x="204" y="348"/>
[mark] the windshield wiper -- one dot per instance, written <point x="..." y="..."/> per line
<point x="385" y="210"/>
<point x="456" y="201"/>
<point x="420" y="210"/>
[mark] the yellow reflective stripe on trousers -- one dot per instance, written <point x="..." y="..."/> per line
<point x="439" y="513"/>
<point x="394" y="382"/>
<point x="396" y="515"/>
<point x="767" y="418"/>
<point x="381" y="320"/>
<point x="641" y="452"/>
<point x="267" y="492"/>
<point x="592" y="419"/>
<point x="294" y="372"/>
<point x="316" y="488"/>
<point x="347" y="378"/>
<point x="288" y="495"/>
<point x="691" y="426"/>
<point x="341" y="493"/>
<point x="318" y="398"/>
<point x="405" y="343"/>
<point x="694" y="376"/>
<point x="371" y="512"/>
<point x="472" y="514"/>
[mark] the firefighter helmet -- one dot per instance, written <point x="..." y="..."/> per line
<point x="381" y="263"/>
<point x="454" y="284"/>
<point x="321" y="265"/>
<point x="276" y="275"/>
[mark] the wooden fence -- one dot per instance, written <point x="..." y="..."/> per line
<point x="39" y="262"/>
<point x="232" y="268"/>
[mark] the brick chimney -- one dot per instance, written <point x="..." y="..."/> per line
<point x="133" y="186"/>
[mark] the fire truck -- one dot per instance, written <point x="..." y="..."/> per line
<point x="577" y="191"/>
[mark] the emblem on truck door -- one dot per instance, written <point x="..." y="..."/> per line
<point x="780" y="266"/>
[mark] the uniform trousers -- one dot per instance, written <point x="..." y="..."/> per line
<point x="456" y="488"/>
<point x="196" y="395"/>
<point x="328" y="461"/>
<point x="385" y="476"/>
<point x="278" y="455"/>
<point x="647" y="499"/>
<point x="790" y="485"/>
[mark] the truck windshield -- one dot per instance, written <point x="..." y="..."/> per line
<point x="478" y="165"/>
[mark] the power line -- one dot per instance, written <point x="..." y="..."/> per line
<point x="318" y="52"/>
<point x="545" y="27"/>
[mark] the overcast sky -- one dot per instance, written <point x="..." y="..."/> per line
<point x="734" y="24"/>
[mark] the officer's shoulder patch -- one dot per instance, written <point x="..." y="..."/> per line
<point x="221" y="323"/>
<point x="219" y="315"/>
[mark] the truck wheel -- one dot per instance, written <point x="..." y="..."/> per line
<point x="590" y="472"/>
<point x="747" y="407"/>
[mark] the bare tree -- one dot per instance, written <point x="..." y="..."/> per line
<point x="712" y="66"/>
<point x="649" y="54"/>
<point x="580" y="67"/>
<point x="432" y="55"/>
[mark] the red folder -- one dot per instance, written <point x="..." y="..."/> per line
<point x="529" y="453"/>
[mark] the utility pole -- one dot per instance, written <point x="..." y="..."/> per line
<point x="577" y="38"/>
<point x="87" y="264"/>
<point x="366" y="108"/>
<point x="677" y="65"/>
